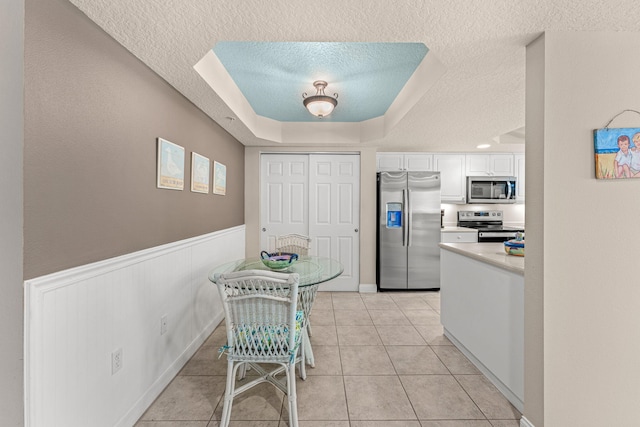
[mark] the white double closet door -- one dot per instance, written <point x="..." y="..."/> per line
<point x="317" y="195"/>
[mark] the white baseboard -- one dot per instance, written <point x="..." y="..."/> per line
<point x="366" y="288"/>
<point x="524" y="422"/>
<point x="511" y="396"/>
<point x="139" y="408"/>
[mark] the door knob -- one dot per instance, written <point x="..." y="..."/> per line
<point x="356" y="230"/>
<point x="264" y="229"/>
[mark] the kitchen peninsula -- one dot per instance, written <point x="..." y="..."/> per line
<point x="482" y="311"/>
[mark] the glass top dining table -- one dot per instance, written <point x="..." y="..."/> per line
<point x="312" y="269"/>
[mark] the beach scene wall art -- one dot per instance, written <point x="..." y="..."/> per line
<point x="170" y="173"/>
<point x="219" y="178"/>
<point x="617" y="152"/>
<point x="200" y="173"/>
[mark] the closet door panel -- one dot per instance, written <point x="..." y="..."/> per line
<point x="284" y="197"/>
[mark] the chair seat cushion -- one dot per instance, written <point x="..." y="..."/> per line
<point x="265" y="339"/>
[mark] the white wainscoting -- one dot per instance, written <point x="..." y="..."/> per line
<point x="75" y="319"/>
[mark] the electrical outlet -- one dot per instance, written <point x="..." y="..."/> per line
<point x="163" y="324"/>
<point x="116" y="361"/>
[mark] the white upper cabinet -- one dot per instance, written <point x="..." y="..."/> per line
<point x="418" y="162"/>
<point x="502" y="164"/>
<point x="390" y="162"/>
<point x="520" y="175"/>
<point x="452" y="177"/>
<point x="454" y="169"/>
<point x="404" y="162"/>
<point x="490" y="164"/>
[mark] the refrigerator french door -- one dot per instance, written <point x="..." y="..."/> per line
<point x="408" y="252"/>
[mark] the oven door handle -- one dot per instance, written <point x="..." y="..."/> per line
<point x="510" y="234"/>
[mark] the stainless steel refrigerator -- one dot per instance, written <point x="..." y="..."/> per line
<point x="408" y="253"/>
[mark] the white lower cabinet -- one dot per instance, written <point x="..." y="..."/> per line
<point x="482" y="312"/>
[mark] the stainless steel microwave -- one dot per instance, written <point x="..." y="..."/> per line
<point x="491" y="189"/>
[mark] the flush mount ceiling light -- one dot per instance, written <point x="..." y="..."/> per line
<point x="320" y="105"/>
<point x="483" y="146"/>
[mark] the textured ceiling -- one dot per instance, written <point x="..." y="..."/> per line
<point x="366" y="76"/>
<point x="480" y="42"/>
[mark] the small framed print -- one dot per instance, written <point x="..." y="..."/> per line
<point x="170" y="173"/>
<point x="219" y="178"/>
<point x="617" y="153"/>
<point x="200" y="173"/>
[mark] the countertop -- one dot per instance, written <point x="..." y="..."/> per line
<point x="458" y="230"/>
<point x="491" y="253"/>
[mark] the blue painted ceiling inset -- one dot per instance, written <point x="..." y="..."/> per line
<point x="366" y="76"/>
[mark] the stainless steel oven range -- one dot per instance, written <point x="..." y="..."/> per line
<point x="488" y="224"/>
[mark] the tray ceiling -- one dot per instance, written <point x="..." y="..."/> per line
<point x="479" y="97"/>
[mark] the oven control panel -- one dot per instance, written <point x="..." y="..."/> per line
<point x="480" y="215"/>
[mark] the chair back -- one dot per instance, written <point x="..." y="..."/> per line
<point x="294" y="243"/>
<point x="260" y="314"/>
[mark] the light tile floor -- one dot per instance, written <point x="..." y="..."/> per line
<point x="381" y="361"/>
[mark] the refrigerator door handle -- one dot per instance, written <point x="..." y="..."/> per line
<point x="409" y="217"/>
<point x="405" y="229"/>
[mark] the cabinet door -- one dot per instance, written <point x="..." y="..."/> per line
<point x="418" y="162"/>
<point x="502" y="164"/>
<point x="390" y="162"/>
<point x="520" y="175"/>
<point x="452" y="177"/>
<point x="489" y="164"/>
<point x="478" y="164"/>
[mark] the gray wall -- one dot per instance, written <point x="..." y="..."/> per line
<point x="92" y="115"/>
<point x="534" y="212"/>
<point x="11" y="123"/>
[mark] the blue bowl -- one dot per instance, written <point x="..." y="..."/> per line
<point x="514" y="247"/>
<point x="278" y="260"/>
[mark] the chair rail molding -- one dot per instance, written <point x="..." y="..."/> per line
<point x="524" y="422"/>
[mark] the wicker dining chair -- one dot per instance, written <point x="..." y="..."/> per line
<point x="263" y="327"/>
<point x="297" y="244"/>
<point x="293" y="243"/>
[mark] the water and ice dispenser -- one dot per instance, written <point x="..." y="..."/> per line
<point x="394" y="215"/>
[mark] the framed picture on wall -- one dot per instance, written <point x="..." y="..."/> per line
<point x="170" y="173"/>
<point x="200" y="173"/>
<point x="219" y="178"/>
<point x="617" y="152"/>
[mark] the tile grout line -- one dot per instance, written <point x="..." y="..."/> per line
<point x="344" y="383"/>
<point x="415" y="414"/>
